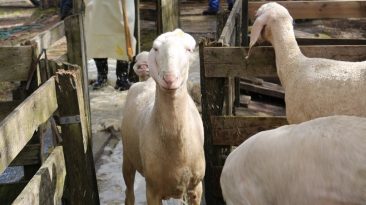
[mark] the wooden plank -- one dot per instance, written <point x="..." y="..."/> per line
<point x="18" y="127"/>
<point x="30" y="155"/>
<point x="318" y="9"/>
<point x="49" y="37"/>
<point x="330" y="41"/>
<point x="168" y="15"/>
<point x="16" y="3"/>
<point x="212" y="104"/>
<point x="230" y="61"/>
<point x="324" y="41"/>
<point x="47" y="185"/>
<point x="81" y="178"/>
<point x="229" y="130"/>
<point x="225" y="37"/>
<point x="76" y="54"/>
<point x="269" y="89"/>
<point x="15" y="62"/>
<point x="137" y="28"/>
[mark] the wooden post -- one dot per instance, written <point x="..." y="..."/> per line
<point x="212" y="90"/>
<point x="238" y="28"/>
<point x="81" y="178"/>
<point x="137" y="26"/>
<point x="245" y="23"/>
<point x="168" y="15"/>
<point x="220" y="22"/>
<point x="74" y="31"/>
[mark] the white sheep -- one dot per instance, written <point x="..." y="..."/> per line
<point x="314" y="87"/>
<point x="141" y="68"/>
<point x="163" y="134"/>
<point x="322" y="161"/>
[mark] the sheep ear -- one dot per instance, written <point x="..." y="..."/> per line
<point x="190" y="42"/>
<point x="257" y="28"/>
<point x="151" y="63"/>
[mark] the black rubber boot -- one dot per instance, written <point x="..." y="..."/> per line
<point x="122" y="82"/>
<point x="102" y="67"/>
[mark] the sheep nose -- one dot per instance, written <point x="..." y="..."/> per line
<point x="169" y="78"/>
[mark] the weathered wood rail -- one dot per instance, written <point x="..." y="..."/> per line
<point x="223" y="62"/>
<point x="56" y="100"/>
<point x="62" y="96"/>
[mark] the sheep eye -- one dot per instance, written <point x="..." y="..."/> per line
<point x="155" y="49"/>
<point x="189" y="50"/>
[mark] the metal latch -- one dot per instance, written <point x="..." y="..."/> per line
<point x="70" y="120"/>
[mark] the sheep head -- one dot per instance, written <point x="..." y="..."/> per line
<point x="168" y="59"/>
<point x="266" y="15"/>
<point x="141" y="68"/>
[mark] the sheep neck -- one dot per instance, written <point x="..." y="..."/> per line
<point x="286" y="48"/>
<point x="171" y="111"/>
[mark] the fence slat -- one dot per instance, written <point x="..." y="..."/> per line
<point x="229" y="130"/>
<point x="81" y="179"/>
<point x="168" y="15"/>
<point x="230" y="61"/>
<point x="318" y="9"/>
<point x="49" y="37"/>
<point x="47" y="185"/>
<point x="15" y="62"/>
<point x="18" y="127"/>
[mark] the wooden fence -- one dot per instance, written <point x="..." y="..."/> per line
<point x="67" y="173"/>
<point x="51" y="97"/>
<point x="223" y="62"/>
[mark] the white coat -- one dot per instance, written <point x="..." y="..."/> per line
<point x="104" y="28"/>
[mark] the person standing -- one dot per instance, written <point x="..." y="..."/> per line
<point x="214" y="7"/>
<point x="109" y="28"/>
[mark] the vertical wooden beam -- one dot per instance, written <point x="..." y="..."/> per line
<point x="168" y="15"/>
<point x="245" y="23"/>
<point x="212" y="90"/>
<point x="137" y="26"/>
<point x="76" y="53"/>
<point x="222" y="17"/>
<point x="81" y="177"/>
<point x="77" y="6"/>
<point x="238" y="27"/>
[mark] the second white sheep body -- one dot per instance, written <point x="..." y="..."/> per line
<point x="321" y="161"/>
<point x="314" y="87"/>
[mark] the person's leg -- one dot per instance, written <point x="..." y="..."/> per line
<point x="122" y="82"/>
<point x="66" y="8"/>
<point x="102" y="68"/>
<point x="213" y="7"/>
<point x="230" y="4"/>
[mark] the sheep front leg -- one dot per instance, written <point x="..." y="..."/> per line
<point x="194" y="196"/>
<point x="151" y="196"/>
<point x="129" y="177"/>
